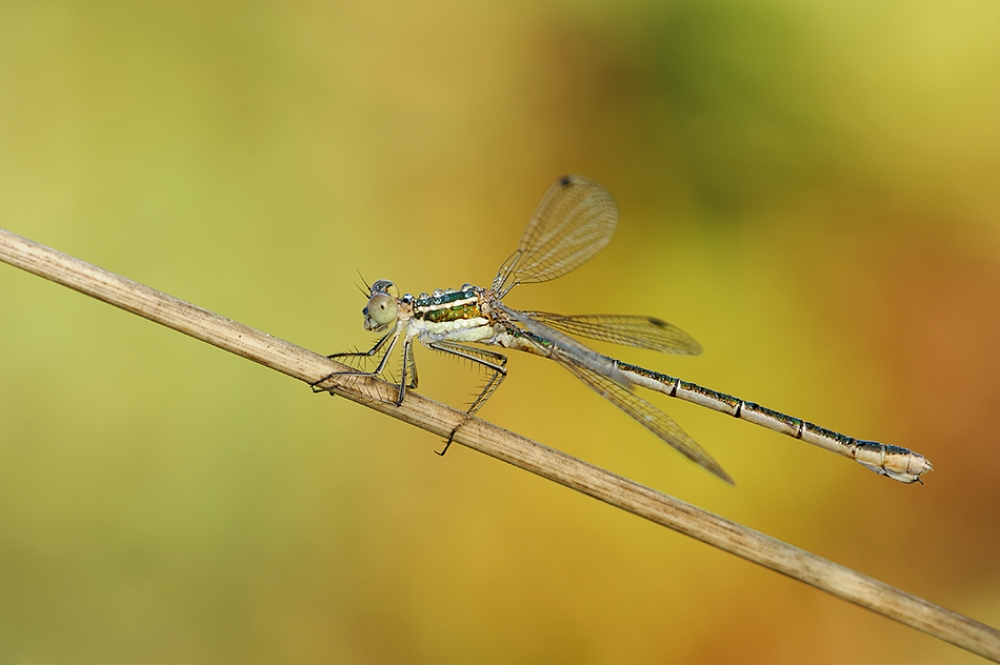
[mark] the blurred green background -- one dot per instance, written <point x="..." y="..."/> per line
<point x="809" y="189"/>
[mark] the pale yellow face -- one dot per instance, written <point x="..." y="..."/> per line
<point x="383" y="306"/>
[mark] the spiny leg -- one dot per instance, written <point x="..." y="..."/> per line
<point x="408" y="363"/>
<point x="491" y="360"/>
<point x="412" y="385"/>
<point x="390" y="337"/>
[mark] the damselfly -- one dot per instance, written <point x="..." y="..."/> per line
<point x="574" y="221"/>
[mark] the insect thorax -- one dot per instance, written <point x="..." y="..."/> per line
<point x="444" y="306"/>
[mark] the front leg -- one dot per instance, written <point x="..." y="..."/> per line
<point x="389" y="338"/>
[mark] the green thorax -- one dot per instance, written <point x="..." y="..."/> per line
<point x="451" y="305"/>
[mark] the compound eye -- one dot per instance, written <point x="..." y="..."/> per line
<point x="382" y="309"/>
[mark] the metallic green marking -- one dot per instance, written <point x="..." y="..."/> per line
<point x="448" y="306"/>
<point x="789" y="421"/>
<point x="458" y="312"/>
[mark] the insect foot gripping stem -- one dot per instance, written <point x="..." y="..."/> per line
<point x="451" y="437"/>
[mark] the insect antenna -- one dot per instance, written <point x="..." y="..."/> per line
<point x="368" y="289"/>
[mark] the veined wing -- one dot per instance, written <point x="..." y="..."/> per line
<point x="640" y="331"/>
<point x="574" y="221"/>
<point x="549" y="342"/>
<point x="649" y="417"/>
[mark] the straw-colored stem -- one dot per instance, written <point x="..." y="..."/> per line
<point x="494" y="441"/>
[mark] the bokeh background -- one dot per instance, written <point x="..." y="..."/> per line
<point x="809" y="189"/>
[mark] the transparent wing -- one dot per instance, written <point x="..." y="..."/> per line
<point x="649" y="417"/>
<point x="640" y="331"/>
<point x="574" y="221"/>
<point x="546" y="341"/>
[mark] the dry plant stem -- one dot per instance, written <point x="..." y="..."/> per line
<point x="309" y="367"/>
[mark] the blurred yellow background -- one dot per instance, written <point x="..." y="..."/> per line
<point x="810" y="190"/>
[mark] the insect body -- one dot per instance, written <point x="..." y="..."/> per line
<point x="574" y="221"/>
